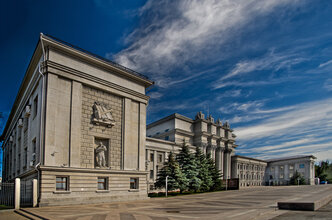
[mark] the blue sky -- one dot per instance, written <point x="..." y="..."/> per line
<point x="264" y="66"/>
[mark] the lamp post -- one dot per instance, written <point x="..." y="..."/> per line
<point x="298" y="181"/>
<point x="166" y="185"/>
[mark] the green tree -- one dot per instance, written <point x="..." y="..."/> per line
<point x="203" y="171"/>
<point x="176" y="179"/>
<point x="297" y="179"/>
<point x="322" y="170"/>
<point x="214" y="172"/>
<point x="188" y="166"/>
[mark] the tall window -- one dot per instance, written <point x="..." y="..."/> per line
<point x="160" y="158"/>
<point x="133" y="183"/>
<point x="35" y="106"/>
<point x="301" y="166"/>
<point x="151" y="174"/>
<point x="62" y="183"/>
<point x="102" y="183"/>
<point x="151" y="156"/>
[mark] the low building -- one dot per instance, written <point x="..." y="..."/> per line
<point x="279" y="171"/>
<point x="249" y="171"/>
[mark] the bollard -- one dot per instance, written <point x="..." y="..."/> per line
<point x="17" y="193"/>
<point x="34" y="193"/>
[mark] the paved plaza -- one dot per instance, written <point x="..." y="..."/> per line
<point x="250" y="203"/>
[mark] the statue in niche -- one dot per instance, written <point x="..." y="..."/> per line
<point x="102" y="115"/>
<point x="100" y="155"/>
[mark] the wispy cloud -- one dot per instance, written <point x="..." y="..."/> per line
<point x="299" y="129"/>
<point x="325" y="64"/>
<point x="328" y="85"/>
<point x="178" y="32"/>
<point x="308" y="114"/>
<point x="271" y="61"/>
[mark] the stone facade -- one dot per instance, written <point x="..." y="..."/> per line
<point x="168" y="134"/>
<point x="280" y="170"/>
<point x="78" y="126"/>
<point x="249" y="171"/>
<point x="92" y="133"/>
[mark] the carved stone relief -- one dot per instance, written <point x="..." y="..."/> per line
<point x="102" y="115"/>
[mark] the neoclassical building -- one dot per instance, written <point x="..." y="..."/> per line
<point x="279" y="171"/>
<point x="78" y="125"/>
<point x="167" y="134"/>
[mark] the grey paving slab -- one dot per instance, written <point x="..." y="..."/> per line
<point x="252" y="203"/>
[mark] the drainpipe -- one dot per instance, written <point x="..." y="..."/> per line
<point x="42" y="113"/>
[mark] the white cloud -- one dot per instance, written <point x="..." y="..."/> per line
<point x="328" y="85"/>
<point x="325" y="64"/>
<point x="155" y="95"/>
<point x="310" y="114"/>
<point x="182" y="30"/>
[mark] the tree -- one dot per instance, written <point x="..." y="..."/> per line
<point x="203" y="171"/>
<point x="176" y="179"/>
<point x="297" y="179"/>
<point x="188" y="166"/>
<point x="214" y="172"/>
<point x="322" y="170"/>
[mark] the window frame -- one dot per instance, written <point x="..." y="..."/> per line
<point x="135" y="182"/>
<point x="105" y="183"/>
<point x="66" y="184"/>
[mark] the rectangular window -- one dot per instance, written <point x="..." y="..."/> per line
<point x="291" y="175"/>
<point x="35" y="106"/>
<point x="160" y="158"/>
<point x="133" y="183"/>
<point x="166" y="138"/>
<point x="151" y="174"/>
<point x="151" y="156"/>
<point x="281" y="175"/>
<point x="102" y="183"/>
<point x="281" y="168"/>
<point x="291" y="167"/>
<point x="62" y="183"/>
<point x="301" y="166"/>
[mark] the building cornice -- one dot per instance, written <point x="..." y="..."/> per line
<point x="169" y="117"/>
<point x="96" y="60"/>
<point x="58" y="69"/>
<point x="90" y="170"/>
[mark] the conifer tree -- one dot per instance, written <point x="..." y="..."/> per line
<point x="188" y="166"/>
<point x="176" y="179"/>
<point x="214" y="172"/>
<point x="203" y="170"/>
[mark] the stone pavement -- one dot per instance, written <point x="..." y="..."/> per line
<point x="251" y="203"/>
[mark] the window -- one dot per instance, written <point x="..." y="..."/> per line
<point x="133" y="183"/>
<point x="151" y="156"/>
<point x="151" y="174"/>
<point x="166" y="130"/>
<point x="166" y="138"/>
<point x="281" y="175"/>
<point x="160" y="158"/>
<point x="301" y="166"/>
<point x="272" y="169"/>
<point x="151" y="187"/>
<point x="291" y="167"/>
<point x="281" y="168"/>
<point x="62" y="183"/>
<point x="102" y="183"/>
<point x="35" y="106"/>
<point x="291" y="175"/>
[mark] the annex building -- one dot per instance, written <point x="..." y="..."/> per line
<point x="78" y="126"/>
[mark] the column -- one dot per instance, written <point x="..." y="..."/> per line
<point x="221" y="168"/>
<point x="217" y="160"/>
<point x="225" y="165"/>
<point x="155" y="165"/>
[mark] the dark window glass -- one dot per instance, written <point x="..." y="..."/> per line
<point x="133" y="183"/>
